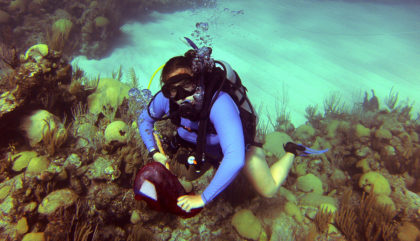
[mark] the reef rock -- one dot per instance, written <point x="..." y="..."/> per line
<point x="22" y="159"/>
<point x="4" y="192"/>
<point x="61" y="29"/>
<point x="22" y="226"/>
<point x="283" y="228"/>
<point x="6" y="189"/>
<point x="247" y="224"/>
<point x="9" y="102"/>
<point x="57" y="199"/>
<point x="109" y="94"/>
<point x="374" y="181"/>
<point x="37" y="165"/>
<point x="37" y="125"/>
<point x="338" y="178"/>
<point x="8" y="207"/>
<point x="116" y="131"/>
<point x="73" y="161"/>
<point x="4" y="17"/>
<point x="37" y="79"/>
<point x="304" y="132"/>
<point x="135" y="217"/>
<point x="103" y="169"/>
<point x="337" y="127"/>
<point x="408" y="232"/>
<point x="362" y="131"/>
<point x="34" y="237"/>
<point x="101" y="22"/>
<point x="37" y="52"/>
<point x="293" y="211"/>
<point x="310" y="183"/>
<point x="383" y="133"/>
<point x="274" y="141"/>
<point x="315" y="200"/>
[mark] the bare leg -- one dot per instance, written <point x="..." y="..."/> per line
<point x="264" y="179"/>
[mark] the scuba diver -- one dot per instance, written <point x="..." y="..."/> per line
<point x="207" y="102"/>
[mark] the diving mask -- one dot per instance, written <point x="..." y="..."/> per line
<point x="179" y="87"/>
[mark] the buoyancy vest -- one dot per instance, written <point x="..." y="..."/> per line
<point x="227" y="80"/>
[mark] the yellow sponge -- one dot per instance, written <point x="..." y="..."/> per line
<point x="247" y="224"/>
<point x="294" y="211"/>
<point x="376" y="182"/>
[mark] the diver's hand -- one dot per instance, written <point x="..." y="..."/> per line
<point x="159" y="157"/>
<point x="188" y="202"/>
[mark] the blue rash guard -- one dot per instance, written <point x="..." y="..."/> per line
<point x="224" y="116"/>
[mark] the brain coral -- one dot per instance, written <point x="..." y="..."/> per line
<point x="375" y="181"/>
<point x="310" y="183"/>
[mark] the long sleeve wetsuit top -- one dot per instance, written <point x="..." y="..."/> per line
<point x="224" y="116"/>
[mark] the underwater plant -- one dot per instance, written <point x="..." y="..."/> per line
<point x="371" y="104"/>
<point x="134" y="78"/>
<point x="138" y="232"/>
<point x="314" y="118"/>
<point x="82" y="231"/>
<point x="333" y="106"/>
<point x="117" y="74"/>
<point x="81" y="86"/>
<point x="109" y="114"/>
<point x="9" y="56"/>
<point x="322" y="219"/>
<point x="70" y="224"/>
<point x="54" y="138"/>
<point x="282" y="122"/>
<point x="56" y="42"/>
<point x="392" y="99"/>
<point x="346" y="218"/>
<point x="404" y="110"/>
<point x="79" y="113"/>
<point x="369" y="222"/>
<point x="263" y="125"/>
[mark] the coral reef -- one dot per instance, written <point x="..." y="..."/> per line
<point x="70" y="151"/>
<point x="370" y="222"/>
<point x="77" y="27"/>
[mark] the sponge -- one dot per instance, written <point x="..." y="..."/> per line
<point x="376" y="182"/>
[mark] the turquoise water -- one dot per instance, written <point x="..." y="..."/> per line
<point x="309" y="48"/>
<point x="336" y="75"/>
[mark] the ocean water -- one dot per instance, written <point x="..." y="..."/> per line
<point x="294" y="52"/>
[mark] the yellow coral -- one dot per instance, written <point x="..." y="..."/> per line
<point x="361" y="131"/>
<point x="37" y="165"/>
<point x="34" y="237"/>
<point x="294" y="211"/>
<point x="374" y="181"/>
<point x="22" y="226"/>
<point x="4" y="191"/>
<point x="110" y="92"/>
<point x="364" y="165"/>
<point x="22" y="159"/>
<point x="247" y="224"/>
<point x="37" y="51"/>
<point x="383" y="200"/>
<point x="61" y="28"/>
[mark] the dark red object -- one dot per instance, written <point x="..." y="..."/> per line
<point x="168" y="189"/>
